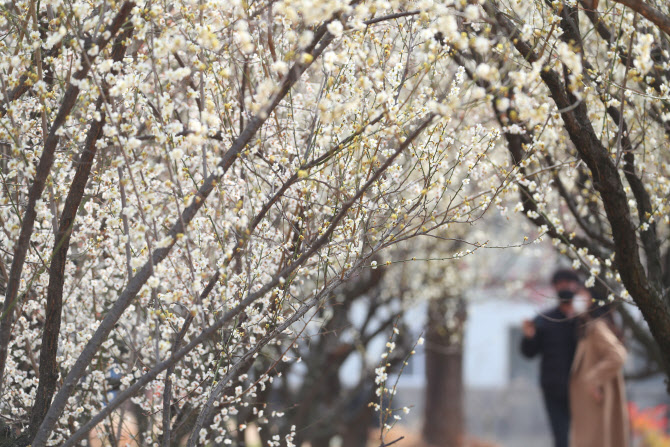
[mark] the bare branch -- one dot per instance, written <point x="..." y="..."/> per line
<point x="649" y="12"/>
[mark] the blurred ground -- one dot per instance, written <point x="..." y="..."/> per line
<point x="412" y="438"/>
<point x="512" y="417"/>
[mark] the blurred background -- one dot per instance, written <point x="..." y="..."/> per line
<point x="446" y="336"/>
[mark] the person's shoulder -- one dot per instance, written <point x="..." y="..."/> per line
<point x="600" y="333"/>
<point x="546" y="315"/>
<point x="599" y="327"/>
<point x="553" y="313"/>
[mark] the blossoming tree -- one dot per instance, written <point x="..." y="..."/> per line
<point x="582" y="89"/>
<point x="183" y="182"/>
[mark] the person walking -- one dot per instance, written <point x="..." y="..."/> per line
<point x="597" y="393"/>
<point x="552" y="335"/>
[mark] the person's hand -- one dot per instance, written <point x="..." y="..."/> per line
<point x="528" y="328"/>
<point x="597" y="393"/>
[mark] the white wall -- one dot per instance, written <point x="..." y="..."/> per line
<point x="486" y="353"/>
<point x="490" y="315"/>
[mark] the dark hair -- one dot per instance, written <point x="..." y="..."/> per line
<point x="564" y="275"/>
<point x="601" y="308"/>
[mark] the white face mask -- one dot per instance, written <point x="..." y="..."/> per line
<point x="580" y="304"/>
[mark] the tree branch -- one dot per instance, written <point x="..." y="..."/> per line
<point x="319" y="242"/>
<point x="41" y="175"/>
<point x="320" y="41"/>
<point x="178" y="339"/>
<point x="649" y="12"/>
<point x="607" y="182"/>
<point x="48" y="351"/>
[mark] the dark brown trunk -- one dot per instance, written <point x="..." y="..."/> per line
<point x="357" y="433"/>
<point x="443" y="410"/>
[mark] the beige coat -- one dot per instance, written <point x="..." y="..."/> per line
<point x="597" y="365"/>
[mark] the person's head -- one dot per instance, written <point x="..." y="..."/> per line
<point x="599" y="307"/>
<point x="566" y="283"/>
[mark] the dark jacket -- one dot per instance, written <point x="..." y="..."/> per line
<point x="555" y="340"/>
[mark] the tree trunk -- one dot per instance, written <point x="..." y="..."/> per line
<point x="443" y="410"/>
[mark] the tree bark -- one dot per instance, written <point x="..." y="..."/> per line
<point x="443" y="410"/>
